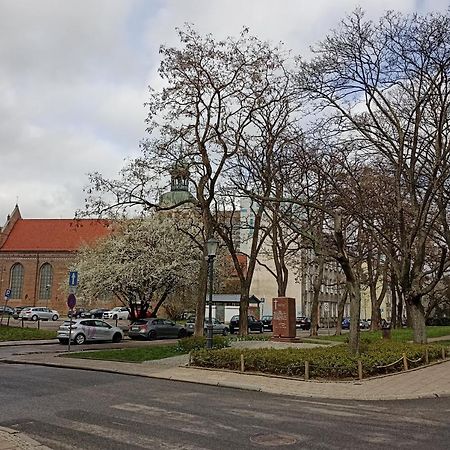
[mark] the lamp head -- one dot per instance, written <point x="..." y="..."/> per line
<point x="211" y="246"/>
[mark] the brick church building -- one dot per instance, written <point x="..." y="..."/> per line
<point x="36" y="255"/>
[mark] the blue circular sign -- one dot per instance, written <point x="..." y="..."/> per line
<point x="71" y="301"/>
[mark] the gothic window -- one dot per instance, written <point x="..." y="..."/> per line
<point x="16" y="280"/>
<point x="45" y="281"/>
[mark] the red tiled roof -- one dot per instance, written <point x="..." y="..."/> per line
<point x="54" y="234"/>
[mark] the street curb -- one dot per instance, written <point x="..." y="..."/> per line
<point x="30" y="342"/>
<point x="231" y="385"/>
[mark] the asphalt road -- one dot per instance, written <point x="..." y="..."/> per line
<point x="68" y="409"/>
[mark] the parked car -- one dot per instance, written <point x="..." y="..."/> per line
<point x="364" y="324"/>
<point x="88" y="330"/>
<point x="267" y="322"/>
<point x="346" y="323"/>
<point x="218" y="327"/>
<point x="155" y="328"/>
<point x="253" y="324"/>
<point x="119" y="312"/>
<point x="302" y="322"/>
<point x="77" y="313"/>
<point x="17" y="311"/>
<point x="438" y="321"/>
<point x="6" y="311"/>
<point x="38" y="313"/>
<point x="96" y="313"/>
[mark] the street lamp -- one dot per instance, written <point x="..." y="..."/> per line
<point x="211" y="247"/>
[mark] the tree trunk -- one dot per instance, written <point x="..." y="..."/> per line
<point x="340" y="315"/>
<point x="201" y="299"/>
<point x="375" y="323"/>
<point x="355" y="310"/>
<point x="318" y="278"/>
<point x="417" y="314"/>
<point x="394" y="319"/>
<point x="243" y="310"/>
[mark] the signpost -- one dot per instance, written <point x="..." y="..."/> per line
<point x="7" y="297"/>
<point x="71" y="302"/>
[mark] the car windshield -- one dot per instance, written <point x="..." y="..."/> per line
<point x="140" y="322"/>
<point x="266" y="317"/>
<point x="235" y="318"/>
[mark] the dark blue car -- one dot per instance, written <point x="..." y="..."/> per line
<point x="346" y="324"/>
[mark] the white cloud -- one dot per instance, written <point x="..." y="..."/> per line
<point x="74" y="76"/>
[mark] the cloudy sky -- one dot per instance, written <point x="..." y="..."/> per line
<point x="74" y="77"/>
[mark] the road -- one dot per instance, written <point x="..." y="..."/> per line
<point x="68" y="409"/>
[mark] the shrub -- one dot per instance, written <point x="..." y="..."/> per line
<point x="324" y="362"/>
<point x="188" y="344"/>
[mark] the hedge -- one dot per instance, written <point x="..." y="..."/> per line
<point x="335" y="362"/>
<point x="188" y="344"/>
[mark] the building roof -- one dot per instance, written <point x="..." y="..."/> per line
<point x="232" y="298"/>
<point x="54" y="234"/>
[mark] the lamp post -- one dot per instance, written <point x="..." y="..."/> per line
<point x="211" y="246"/>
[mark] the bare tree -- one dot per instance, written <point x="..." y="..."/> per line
<point x="386" y="86"/>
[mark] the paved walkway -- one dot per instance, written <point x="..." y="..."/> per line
<point x="428" y="382"/>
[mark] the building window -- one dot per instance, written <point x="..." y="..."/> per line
<point x="16" y="280"/>
<point x="45" y="281"/>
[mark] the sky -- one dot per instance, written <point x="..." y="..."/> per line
<point x="74" y="77"/>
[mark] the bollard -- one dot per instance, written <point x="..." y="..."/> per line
<point x="39" y="323"/>
<point x="190" y="358"/>
<point x="405" y="362"/>
<point x="116" y="321"/>
<point x="22" y="322"/>
<point x="306" y="370"/>
<point x="360" y="371"/>
<point x="426" y="356"/>
<point x="443" y="352"/>
<point x="242" y="363"/>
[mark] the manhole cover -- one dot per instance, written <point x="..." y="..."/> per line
<point x="273" y="440"/>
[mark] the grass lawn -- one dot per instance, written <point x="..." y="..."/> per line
<point x="130" y="354"/>
<point x="398" y="335"/>
<point x="24" y="334"/>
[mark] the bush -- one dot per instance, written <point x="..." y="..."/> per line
<point x="324" y="362"/>
<point x="188" y="344"/>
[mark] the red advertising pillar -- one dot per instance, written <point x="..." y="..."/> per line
<point x="283" y="320"/>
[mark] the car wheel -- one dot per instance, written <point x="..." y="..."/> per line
<point x="34" y="318"/>
<point x="80" y="339"/>
<point x="64" y="341"/>
<point x="55" y="317"/>
<point x="225" y="332"/>
<point x="152" y="334"/>
<point x="117" y="338"/>
<point x="182" y="334"/>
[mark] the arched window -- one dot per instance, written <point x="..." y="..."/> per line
<point x="16" y="280"/>
<point x="45" y="281"/>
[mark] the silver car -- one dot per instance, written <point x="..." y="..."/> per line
<point x="38" y="313"/>
<point x="88" y="330"/>
<point x="218" y="327"/>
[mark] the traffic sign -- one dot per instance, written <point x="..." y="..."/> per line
<point x="7" y="293"/>
<point x="71" y="301"/>
<point x="73" y="278"/>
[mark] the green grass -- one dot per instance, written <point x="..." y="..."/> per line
<point x="130" y="354"/>
<point x="397" y="335"/>
<point x="24" y="334"/>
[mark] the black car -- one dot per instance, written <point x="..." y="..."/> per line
<point x="96" y="313"/>
<point x="6" y="310"/>
<point x="77" y="313"/>
<point x="267" y="322"/>
<point x="253" y="324"/>
<point x="302" y="322"/>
